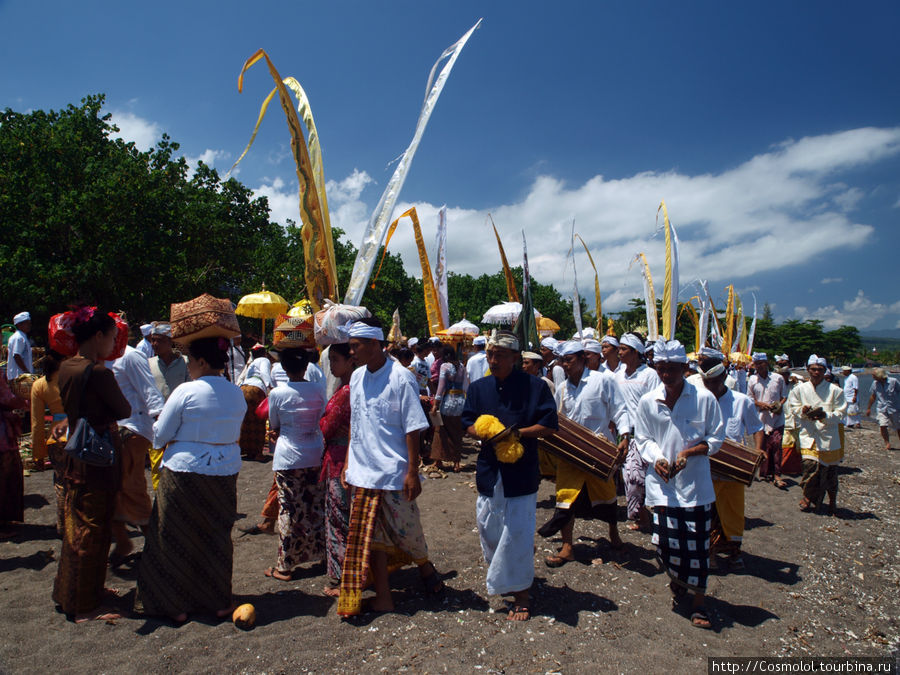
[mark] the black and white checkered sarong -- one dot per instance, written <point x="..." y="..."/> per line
<point x="681" y="535"/>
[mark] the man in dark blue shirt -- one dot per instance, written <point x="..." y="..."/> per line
<point x="507" y="492"/>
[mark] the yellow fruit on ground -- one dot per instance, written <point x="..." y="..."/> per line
<point x="244" y="617"/>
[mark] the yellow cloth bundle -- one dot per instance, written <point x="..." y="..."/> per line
<point x="509" y="449"/>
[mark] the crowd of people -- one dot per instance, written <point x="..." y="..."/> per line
<point x="348" y="432"/>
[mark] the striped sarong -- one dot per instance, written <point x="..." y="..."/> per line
<point x="187" y="561"/>
<point x="363" y="518"/>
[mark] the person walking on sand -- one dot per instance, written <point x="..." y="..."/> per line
<point x="507" y="490"/>
<point x="590" y="398"/>
<point x="818" y="408"/>
<point x="769" y="394"/>
<point x="851" y="395"/>
<point x="886" y="392"/>
<point x="676" y="428"/>
<point x="386" y="418"/>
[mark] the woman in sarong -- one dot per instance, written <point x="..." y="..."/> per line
<point x="88" y="389"/>
<point x="449" y="399"/>
<point x="187" y="561"/>
<point x="295" y="408"/>
<point x="12" y="486"/>
<point x="255" y="385"/>
<point x="45" y="396"/>
<point x="335" y="426"/>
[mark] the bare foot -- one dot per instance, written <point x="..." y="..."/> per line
<point x="99" y="614"/>
<point x="277" y="574"/>
<point x="332" y="591"/>
<point x="520" y="610"/>
<point x="380" y="606"/>
<point x="222" y="613"/>
<point x="179" y="618"/>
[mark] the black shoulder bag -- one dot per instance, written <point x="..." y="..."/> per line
<point x="85" y="444"/>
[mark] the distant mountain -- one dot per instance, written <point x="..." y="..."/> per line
<point x="881" y="334"/>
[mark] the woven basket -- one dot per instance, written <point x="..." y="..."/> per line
<point x="203" y="317"/>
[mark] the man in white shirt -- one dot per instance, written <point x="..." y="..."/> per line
<point x="144" y="346"/>
<point x="817" y="408"/>
<point x="886" y="392"/>
<point x="476" y="366"/>
<point x="740" y="418"/>
<point x="593" y="354"/>
<point x="169" y="369"/>
<point x="132" y="373"/>
<point x="383" y="465"/>
<point x="609" y="346"/>
<point x="851" y="395"/>
<point x="590" y="398"/>
<point x="634" y="379"/>
<point x="236" y="360"/>
<point x="19" y="348"/>
<point x="769" y="393"/>
<point x="677" y="427"/>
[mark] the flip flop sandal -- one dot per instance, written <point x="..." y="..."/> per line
<point x="433" y="583"/>
<point x="700" y="619"/>
<point x="519" y="609"/>
<point x="555" y="561"/>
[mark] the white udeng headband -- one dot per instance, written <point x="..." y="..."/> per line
<point x="715" y="371"/>
<point x="610" y="339"/>
<point x="633" y="341"/>
<point x="672" y="351"/>
<point x="358" y="329"/>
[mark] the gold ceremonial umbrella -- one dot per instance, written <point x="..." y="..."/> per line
<point x="546" y="326"/>
<point x="263" y="305"/>
<point x="301" y="309"/>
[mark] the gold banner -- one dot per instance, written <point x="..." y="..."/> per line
<point x="432" y="306"/>
<point x="320" y="271"/>
<point x="511" y="293"/>
<point x="670" y="285"/>
<point x="649" y="298"/>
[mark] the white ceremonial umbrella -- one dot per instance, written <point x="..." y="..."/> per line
<point x="505" y="312"/>
<point x="463" y="327"/>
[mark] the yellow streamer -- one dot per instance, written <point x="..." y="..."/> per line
<point x="596" y="285"/>
<point x="432" y="306"/>
<point x="511" y="292"/>
<point x="670" y="285"/>
<point x="729" y="320"/>
<point x="320" y="269"/>
<point x="649" y="298"/>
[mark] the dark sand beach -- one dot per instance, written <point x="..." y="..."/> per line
<point x="813" y="585"/>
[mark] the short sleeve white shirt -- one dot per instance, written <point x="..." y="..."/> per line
<point x="384" y="407"/>
<point x="18" y="344"/>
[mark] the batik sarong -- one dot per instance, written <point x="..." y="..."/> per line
<point x="817" y="480"/>
<point x="87" y="535"/>
<point x="301" y="517"/>
<point x="634" y="474"/>
<point x="133" y="503"/>
<point x="187" y="561"/>
<point x="12" y="487"/>
<point x="337" y="523"/>
<point x="253" y="429"/>
<point x="772" y="446"/>
<point x="681" y="536"/>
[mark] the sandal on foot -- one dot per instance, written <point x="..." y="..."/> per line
<point x="278" y="574"/>
<point x="516" y="610"/>
<point x="806" y="506"/>
<point x="700" y="619"/>
<point x="432" y="581"/>
<point x="780" y="484"/>
<point x="557" y="561"/>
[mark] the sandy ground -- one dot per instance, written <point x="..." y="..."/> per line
<point x="813" y="585"/>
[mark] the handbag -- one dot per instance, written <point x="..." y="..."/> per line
<point x="85" y="444"/>
<point x="262" y="410"/>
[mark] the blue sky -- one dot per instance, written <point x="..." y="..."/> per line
<point x="772" y="130"/>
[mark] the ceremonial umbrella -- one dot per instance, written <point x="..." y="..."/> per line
<point x="505" y="312"/>
<point x="546" y="326"/>
<point x="463" y="327"/>
<point x="263" y="305"/>
<point x="301" y="309"/>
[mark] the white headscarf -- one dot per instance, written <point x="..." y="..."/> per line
<point x="358" y="329"/>
<point x="671" y="351"/>
<point x="633" y="341"/>
<point x="570" y="347"/>
<point x="20" y="317"/>
<point x="816" y="360"/>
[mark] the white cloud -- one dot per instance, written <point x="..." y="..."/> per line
<point x="144" y="133"/>
<point x="732" y="226"/>
<point x="860" y="312"/>
<point x="832" y="280"/>
<point x="209" y="157"/>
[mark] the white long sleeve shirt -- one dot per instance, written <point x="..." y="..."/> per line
<point x="633" y="386"/>
<point x="295" y="409"/>
<point x="199" y="427"/>
<point x="594" y="402"/>
<point x="662" y="433"/>
<point x="133" y="375"/>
